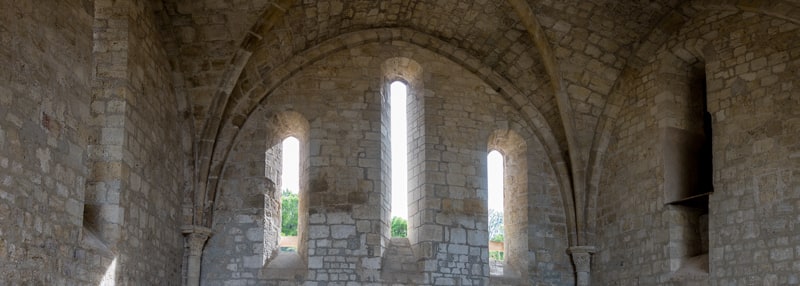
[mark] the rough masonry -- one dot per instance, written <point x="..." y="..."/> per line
<point x="648" y="142"/>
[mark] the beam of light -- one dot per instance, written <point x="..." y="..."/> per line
<point x="109" y="278"/>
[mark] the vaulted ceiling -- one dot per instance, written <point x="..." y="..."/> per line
<point x="207" y="35"/>
<point x="563" y="58"/>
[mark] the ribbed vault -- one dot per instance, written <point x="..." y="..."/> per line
<point x="562" y="59"/>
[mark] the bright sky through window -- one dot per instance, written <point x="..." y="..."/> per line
<point x="397" y="94"/>
<point x="495" y="178"/>
<point x="290" y="165"/>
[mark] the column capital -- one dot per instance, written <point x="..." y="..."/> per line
<point x="196" y="237"/>
<point x="581" y="257"/>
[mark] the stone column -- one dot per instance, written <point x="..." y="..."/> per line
<point x="582" y="258"/>
<point x="196" y="237"/>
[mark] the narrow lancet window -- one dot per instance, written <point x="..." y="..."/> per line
<point x="399" y="143"/>
<point x="496" y="189"/>
<point x="290" y="186"/>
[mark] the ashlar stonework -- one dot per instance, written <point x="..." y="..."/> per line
<point x="652" y="142"/>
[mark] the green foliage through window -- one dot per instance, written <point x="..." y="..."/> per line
<point x="399" y="227"/>
<point x="289" y="215"/>
<point x="496" y="255"/>
<point x="498" y="238"/>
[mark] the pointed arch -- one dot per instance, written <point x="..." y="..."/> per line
<point x="246" y="101"/>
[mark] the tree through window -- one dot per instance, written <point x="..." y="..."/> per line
<point x="496" y="188"/>
<point x="290" y="186"/>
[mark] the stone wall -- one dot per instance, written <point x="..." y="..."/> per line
<point x="45" y="92"/>
<point x="342" y="97"/>
<point x="91" y="181"/>
<point x="461" y="115"/>
<point x="152" y="160"/>
<point x="750" y="62"/>
<point x="97" y="162"/>
<point x="247" y="215"/>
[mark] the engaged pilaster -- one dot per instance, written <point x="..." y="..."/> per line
<point x="582" y="258"/>
<point x="196" y="237"/>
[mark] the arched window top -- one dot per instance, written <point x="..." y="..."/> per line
<point x="290" y="161"/>
<point x="495" y="178"/>
<point x="398" y="87"/>
<point x="402" y="67"/>
<point x="507" y="142"/>
<point x="403" y="70"/>
<point x="496" y="152"/>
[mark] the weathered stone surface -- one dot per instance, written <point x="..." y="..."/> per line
<point x="122" y="121"/>
<point x="751" y="104"/>
<point x="83" y="127"/>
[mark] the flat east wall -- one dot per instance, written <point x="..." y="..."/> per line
<point x="340" y="98"/>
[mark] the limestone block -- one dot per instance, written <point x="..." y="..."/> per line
<point x="458" y="236"/>
<point x="431" y="233"/>
<point x="458" y="249"/>
<point x="342" y="231"/>
<point x="315" y="262"/>
<point x="318" y="231"/>
<point x="252" y="261"/>
<point x="317" y="218"/>
<point x="476" y="238"/>
<point x="255" y="234"/>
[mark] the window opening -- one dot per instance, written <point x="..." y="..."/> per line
<point x="495" y="176"/>
<point x="290" y="186"/>
<point x="689" y="179"/>
<point x="399" y="147"/>
<point x="705" y="184"/>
